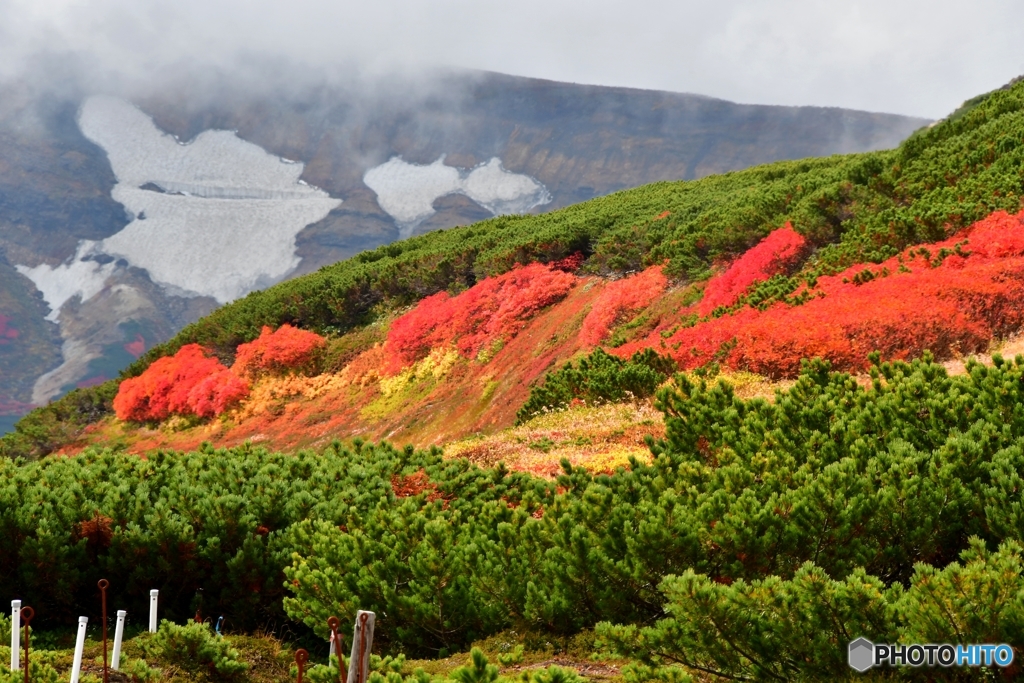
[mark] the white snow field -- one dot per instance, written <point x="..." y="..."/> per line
<point x="73" y="278"/>
<point x="407" y="191"/>
<point x="218" y="217"/>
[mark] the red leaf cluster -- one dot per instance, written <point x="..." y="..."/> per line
<point x="286" y="348"/>
<point x="415" y="484"/>
<point x="619" y="299"/>
<point x="951" y="298"/>
<point x="187" y="383"/>
<point x="493" y="309"/>
<point x="569" y="264"/>
<point x="775" y="254"/>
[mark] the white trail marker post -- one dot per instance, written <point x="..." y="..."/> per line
<point x="153" y="596"/>
<point x="362" y="642"/>
<point x="76" y="666"/>
<point x="115" y="656"/>
<point x="15" y="635"/>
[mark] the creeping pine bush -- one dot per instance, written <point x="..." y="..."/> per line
<point x="598" y="378"/>
<point x="195" y="647"/>
<point x="775" y="629"/>
<point x="39" y="672"/>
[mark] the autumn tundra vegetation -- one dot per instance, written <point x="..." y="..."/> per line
<point x="328" y="444"/>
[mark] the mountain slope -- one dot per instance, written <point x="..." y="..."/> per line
<point x="450" y="149"/>
<point x="850" y="210"/>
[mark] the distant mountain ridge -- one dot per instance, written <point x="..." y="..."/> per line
<point x="465" y="146"/>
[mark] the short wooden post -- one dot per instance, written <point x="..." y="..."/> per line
<point x="362" y="643"/>
<point x="76" y="666"/>
<point x="153" y="597"/>
<point x="115" y="656"/>
<point x="15" y="635"/>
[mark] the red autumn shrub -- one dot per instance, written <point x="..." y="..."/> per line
<point x="217" y="392"/>
<point x="621" y="298"/>
<point x="287" y="348"/>
<point x="171" y="386"/>
<point x="411" y="336"/>
<point x="951" y="298"/>
<point x="775" y="254"/>
<point x="569" y="264"/>
<point x="493" y="309"/>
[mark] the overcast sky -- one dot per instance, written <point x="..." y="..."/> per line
<point x="921" y="58"/>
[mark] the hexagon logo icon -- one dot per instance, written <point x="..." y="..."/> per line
<point x="862" y="655"/>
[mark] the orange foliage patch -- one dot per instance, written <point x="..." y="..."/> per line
<point x="187" y="383"/>
<point x="286" y="348"/>
<point x="951" y="298"/>
<point x="619" y="299"/>
<point x="493" y="309"/>
<point x="97" y="531"/>
<point x="415" y="484"/>
<point x="775" y="254"/>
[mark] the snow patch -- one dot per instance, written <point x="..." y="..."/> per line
<point x="407" y="191"/>
<point x="76" y="277"/>
<point x="223" y="224"/>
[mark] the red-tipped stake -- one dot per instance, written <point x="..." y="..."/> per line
<point x="301" y="657"/>
<point x="26" y="616"/>
<point x="336" y="646"/>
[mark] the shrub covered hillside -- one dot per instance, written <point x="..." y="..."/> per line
<point x="845" y="210"/>
<point x="759" y="541"/>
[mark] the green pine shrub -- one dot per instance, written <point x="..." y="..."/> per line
<point x="598" y="378"/>
<point x="39" y="671"/>
<point x="479" y="669"/>
<point x="194" y="647"/>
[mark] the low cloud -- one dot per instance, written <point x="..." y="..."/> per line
<point x="903" y="57"/>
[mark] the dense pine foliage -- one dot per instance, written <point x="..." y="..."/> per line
<point x="599" y="378"/>
<point x="762" y="537"/>
<point x="889" y="510"/>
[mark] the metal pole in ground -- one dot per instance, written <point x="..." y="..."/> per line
<point x="153" y="597"/>
<point x="15" y="635"/>
<point x="103" y="586"/>
<point x="115" y="657"/>
<point x="26" y="617"/>
<point x="333" y="623"/>
<point x="76" y="666"/>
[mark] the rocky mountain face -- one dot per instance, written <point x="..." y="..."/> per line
<point x="124" y="216"/>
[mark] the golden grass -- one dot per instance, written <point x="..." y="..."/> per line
<point x="600" y="438"/>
